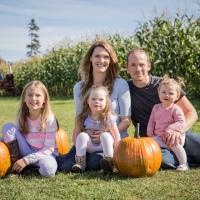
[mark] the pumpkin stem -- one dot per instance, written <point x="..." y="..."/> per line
<point x="137" y="135"/>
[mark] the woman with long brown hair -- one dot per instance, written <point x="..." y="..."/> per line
<point x="99" y="67"/>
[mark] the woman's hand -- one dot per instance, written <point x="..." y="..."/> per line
<point x="19" y="165"/>
<point x="95" y="135"/>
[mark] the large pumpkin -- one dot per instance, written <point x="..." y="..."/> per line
<point x="62" y="141"/>
<point x="4" y="159"/>
<point x="137" y="156"/>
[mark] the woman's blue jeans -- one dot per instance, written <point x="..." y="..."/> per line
<point x="169" y="161"/>
<point x="66" y="162"/>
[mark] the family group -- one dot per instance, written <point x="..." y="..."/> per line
<point x="105" y="105"/>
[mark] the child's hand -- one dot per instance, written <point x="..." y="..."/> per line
<point x="19" y="165"/>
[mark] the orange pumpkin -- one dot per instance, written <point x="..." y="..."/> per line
<point x="4" y="159"/>
<point x="137" y="156"/>
<point x="62" y="141"/>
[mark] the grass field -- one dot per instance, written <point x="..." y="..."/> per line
<point x="94" y="185"/>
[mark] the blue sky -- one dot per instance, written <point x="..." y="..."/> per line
<point x="65" y="20"/>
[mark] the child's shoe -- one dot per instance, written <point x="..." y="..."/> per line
<point x="14" y="156"/>
<point x="107" y="164"/>
<point x="80" y="164"/>
<point x="182" y="167"/>
<point x="14" y="151"/>
<point x="29" y="170"/>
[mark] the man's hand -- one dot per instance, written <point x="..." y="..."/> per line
<point x="173" y="138"/>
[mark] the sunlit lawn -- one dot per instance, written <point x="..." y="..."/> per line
<point x="94" y="185"/>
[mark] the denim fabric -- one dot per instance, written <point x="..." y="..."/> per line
<point x="192" y="148"/>
<point x="169" y="161"/>
<point x="66" y="162"/>
<point x="93" y="160"/>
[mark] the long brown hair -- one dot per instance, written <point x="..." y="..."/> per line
<point x="23" y="112"/>
<point x="86" y="69"/>
<point x="86" y="109"/>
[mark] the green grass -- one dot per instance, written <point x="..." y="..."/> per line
<point x="94" y="185"/>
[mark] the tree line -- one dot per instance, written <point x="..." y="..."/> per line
<point x="173" y="45"/>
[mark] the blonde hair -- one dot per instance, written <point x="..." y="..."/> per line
<point x="140" y="51"/>
<point x="86" y="69"/>
<point x="23" y="112"/>
<point x="86" y="109"/>
<point x="167" y="81"/>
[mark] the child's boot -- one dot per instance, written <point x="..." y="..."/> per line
<point x="80" y="164"/>
<point x="9" y="137"/>
<point x="107" y="164"/>
<point x="14" y="151"/>
<point x="14" y="154"/>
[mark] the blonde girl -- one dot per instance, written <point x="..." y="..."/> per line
<point x="167" y="118"/>
<point x="32" y="140"/>
<point x="96" y="116"/>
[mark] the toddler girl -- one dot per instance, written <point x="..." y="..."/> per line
<point x="96" y="117"/>
<point x="167" y="118"/>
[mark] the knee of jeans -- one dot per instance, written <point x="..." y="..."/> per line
<point x="192" y="140"/>
<point x="169" y="160"/>
<point x="48" y="168"/>
<point x="93" y="160"/>
<point x="65" y="163"/>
